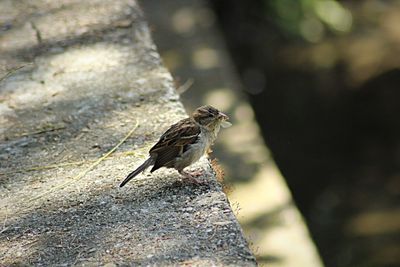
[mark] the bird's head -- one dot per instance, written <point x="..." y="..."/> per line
<point x="210" y="117"/>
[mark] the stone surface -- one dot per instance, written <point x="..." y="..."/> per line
<point x="75" y="78"/>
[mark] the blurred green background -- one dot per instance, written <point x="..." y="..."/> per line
<point x="323" y="80"/>
<point x="323" y="77"/>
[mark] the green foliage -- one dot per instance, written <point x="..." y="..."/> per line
<point x="310" y="19"/>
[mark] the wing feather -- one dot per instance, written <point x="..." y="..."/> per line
<point x="173" y="143"/>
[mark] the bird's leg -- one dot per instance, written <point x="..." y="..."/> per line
<point x="196" y="173"/>
<point x="190" y="176"/>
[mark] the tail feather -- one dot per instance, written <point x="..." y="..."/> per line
<point x="140" y="169"/>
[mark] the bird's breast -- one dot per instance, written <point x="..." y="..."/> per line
<point x="194" y="151"/>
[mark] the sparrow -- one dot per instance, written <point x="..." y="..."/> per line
<point x="184" y="143"/>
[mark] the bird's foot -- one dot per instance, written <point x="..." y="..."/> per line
<point x="196" y="173"/>
<point x="191" y="176"/>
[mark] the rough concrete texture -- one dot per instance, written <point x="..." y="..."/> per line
<point x="75" y="78"/>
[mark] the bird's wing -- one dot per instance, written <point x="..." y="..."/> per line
<point x="174" y="142"/>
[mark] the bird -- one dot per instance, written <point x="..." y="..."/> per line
<point x="184" y="143"/>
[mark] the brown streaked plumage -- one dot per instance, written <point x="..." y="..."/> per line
<point x="184" y="142"/>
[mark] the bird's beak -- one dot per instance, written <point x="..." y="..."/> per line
<point x="224" y="118"/>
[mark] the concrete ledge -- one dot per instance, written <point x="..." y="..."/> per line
<point x="76" y="77"/>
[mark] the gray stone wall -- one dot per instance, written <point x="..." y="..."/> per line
<point x="76" y="79"/>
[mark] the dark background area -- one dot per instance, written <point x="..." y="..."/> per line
<point x="324" y="80"/>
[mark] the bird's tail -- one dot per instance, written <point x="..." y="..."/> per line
<point x="141" y="168"/>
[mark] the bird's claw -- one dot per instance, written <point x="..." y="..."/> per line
<point x="191" y="176"/>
